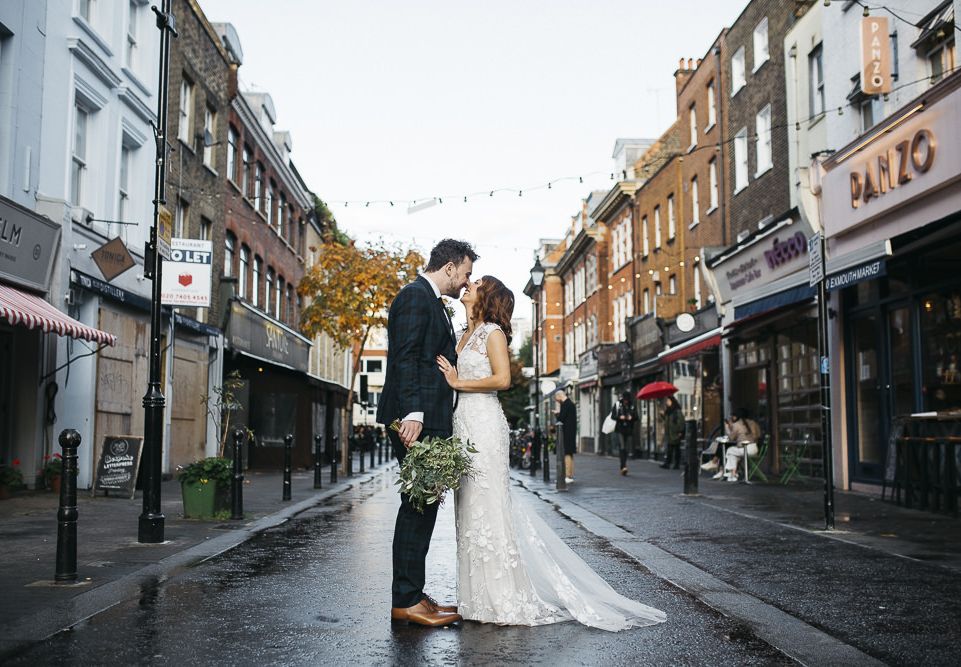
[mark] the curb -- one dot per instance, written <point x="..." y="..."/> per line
<point x="791" y="636"/>
<point x="65" y="614"/>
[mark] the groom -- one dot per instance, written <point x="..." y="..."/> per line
<point x="415" y="392"/>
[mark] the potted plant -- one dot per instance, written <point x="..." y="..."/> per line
<point x="51" y="471"/>
<point x="205" y="485"/>
<point x="11" y="479"/>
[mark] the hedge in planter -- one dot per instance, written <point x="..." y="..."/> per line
<point x="205" y="486"/>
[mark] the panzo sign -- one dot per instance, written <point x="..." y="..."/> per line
<point x="894" y="167"/>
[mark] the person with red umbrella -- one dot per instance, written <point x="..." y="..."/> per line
<point x="673" y="432"/>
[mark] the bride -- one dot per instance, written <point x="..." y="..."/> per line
<point x="512" y="569"/>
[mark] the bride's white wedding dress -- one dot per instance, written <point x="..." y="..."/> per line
<point x="512" y="569"/>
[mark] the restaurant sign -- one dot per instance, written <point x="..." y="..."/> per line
<point x="253" y="332"/>
<point x="28" y="243"/>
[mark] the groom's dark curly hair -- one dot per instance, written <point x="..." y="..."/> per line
<point x="450" y="250"/>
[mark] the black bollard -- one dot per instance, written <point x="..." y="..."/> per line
<point x="380" y="452"/>
<point x="561" y="469"/>
<point x="288" y="443"/>
<point x="546" y="462"/>
<point x="237" y="482"/>
<point x="318" y="460"/>
<point x="372" y="448"/>
<point x="692" y="466"/>
<point x="67" y="514"/>
<point x="333" y="461"/>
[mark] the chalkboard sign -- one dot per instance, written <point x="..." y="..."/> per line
<point x="117" y="468"/>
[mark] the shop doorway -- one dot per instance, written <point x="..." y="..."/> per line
<point x="882" y="373"/>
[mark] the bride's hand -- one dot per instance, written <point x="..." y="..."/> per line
<point x="449" y="371"/>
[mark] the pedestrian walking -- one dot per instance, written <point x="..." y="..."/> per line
<point x="624" y="415"/>
<point x="673" y="432"/>
<point x="567" y="416"/>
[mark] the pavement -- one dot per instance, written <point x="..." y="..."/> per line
<point x="746" y="574"/>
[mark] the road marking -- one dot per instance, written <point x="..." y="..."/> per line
<point x="793" y="637"/>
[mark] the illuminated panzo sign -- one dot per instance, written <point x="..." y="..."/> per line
<point x="894" y="167"/>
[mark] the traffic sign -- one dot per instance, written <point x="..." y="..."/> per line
<point x="815" y="260"/>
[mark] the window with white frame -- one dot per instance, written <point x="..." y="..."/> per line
<point x="763" y="149"/>
<point x="671" y="220"/>
<point x="123" y="184"/>
<point x="712" y="172"/>
<point x="628" y="238"/>
<point x="568" y="296"/>
<point x="711" y="109"/>
<point x="647" y="301"/>
<point x="255" y="286"/>
<point x="85" y="10"/>
<point x="186" y="110"/>
<point x="233" y="141"/>
<point x="278" y="296"/>
<point x="816" y="74"/>
<point x="569" y="347"/>
<point x="132" y="19"/>
<point x="692" y="115"/>
<point x="180" y="218"/>
<point x="579" y="285"/>
<point x="761" y="54"/>
<point x="697" y="287"/>
<point x="210" y="135"/>
<point x="230" y="244"/>
<point x="942" y="59"/>
<point x="737" y="71"/>
<point x="78" y="152"/>
<point x="245" y="170"/>
<point x="259" y="186"/>
<point x="244" y="276"/>
<point x="672" y="284"/>
<point x="645" y="237"/>
<point x="206" y="229"/>
<point x="740" y="160"/>
<point x="269" y="208"/>
<point x="616" y="318"/>
<point x="695" y="203"/>
<point x="268" y="289"/>
<point x="580" y="334"/>
<point x="282" y="215"/>
<point x="657" y="227"/>
<point x="590" y="264"/>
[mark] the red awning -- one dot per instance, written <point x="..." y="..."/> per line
<point x="22" y="309"/>
<point x="692" y="347"/>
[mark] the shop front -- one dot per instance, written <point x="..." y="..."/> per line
<point x="614" y="373"/>
<point x="587" y="399"/>
<point x="769" y="342"/>
<point x="892" y="218"/>
<point x="646" y="344"/>
<point x="692" y="361"/>
<point x="278" y="398"/>
<point x="29" y="244"/>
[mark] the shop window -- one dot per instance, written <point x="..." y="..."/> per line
<point x="941" y="350"/>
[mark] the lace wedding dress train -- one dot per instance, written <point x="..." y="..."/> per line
<point x="512" y="569"/>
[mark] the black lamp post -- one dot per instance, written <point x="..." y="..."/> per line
<point x="151" y="524"/>
<point x="537" y="280"/>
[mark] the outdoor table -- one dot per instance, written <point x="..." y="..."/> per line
<point x="923" y="468"/>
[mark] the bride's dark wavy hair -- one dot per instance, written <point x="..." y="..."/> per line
<point x="494" y="304"/>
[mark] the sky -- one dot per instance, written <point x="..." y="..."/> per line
<point x="427" y="99"/>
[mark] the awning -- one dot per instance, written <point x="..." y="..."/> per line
<point x="690" y="347"/>
<point x="22" y="309"/>
<point x="773" y="302"/>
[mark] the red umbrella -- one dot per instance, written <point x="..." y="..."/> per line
<point x="656" y="390"/>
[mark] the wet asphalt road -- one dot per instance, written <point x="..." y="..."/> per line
<point x="316" y="591"/>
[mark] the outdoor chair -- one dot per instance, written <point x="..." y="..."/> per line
<point x="793" y="454"/>
<point x="752" y="464"/>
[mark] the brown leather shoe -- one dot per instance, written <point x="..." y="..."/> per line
<point x="447" y="608"/>
<point x="423" y="613"/>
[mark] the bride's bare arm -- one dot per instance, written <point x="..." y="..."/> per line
<point x="500" y="359"/>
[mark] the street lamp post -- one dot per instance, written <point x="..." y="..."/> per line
<point x="151" y="524"/>
<point x="537" y="280"/>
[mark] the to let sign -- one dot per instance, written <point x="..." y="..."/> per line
<point x="187" y="274"/>
<point x="875" y="55"/>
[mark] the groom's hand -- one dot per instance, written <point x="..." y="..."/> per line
<point x="409" y="432"/>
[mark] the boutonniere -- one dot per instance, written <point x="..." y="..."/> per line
<point x="448" y="307"/>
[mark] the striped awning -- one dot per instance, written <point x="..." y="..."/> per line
<point x="22" y="309"/>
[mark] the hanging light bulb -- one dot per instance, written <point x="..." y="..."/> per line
<point x="491" y="194"/>
<point x="465" y="199"/>
<point x="440" y="200"/>
<point x="548" y="185"/>
<point x="520" y="193"/>
<point x="367" y="204"/>
<point x="391" y="203"/>
<point x="827" y="3"/>
<point x="580" y="179"/>
<point x="867" y="12"/>
<point x="840" y="111"/>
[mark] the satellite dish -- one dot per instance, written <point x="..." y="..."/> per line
<point x="685" y="322"/>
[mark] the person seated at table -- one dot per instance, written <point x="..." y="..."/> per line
<point x="744" y="445"/>
<point x="737" y="429"/>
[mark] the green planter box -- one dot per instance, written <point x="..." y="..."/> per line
<point x="203" y="501"/>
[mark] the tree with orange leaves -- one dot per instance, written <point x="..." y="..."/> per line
<point x="349" y="290"/>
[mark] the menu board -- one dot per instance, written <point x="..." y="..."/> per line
<point x="117" y="468"/>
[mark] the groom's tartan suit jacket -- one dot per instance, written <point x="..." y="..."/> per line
<point x="418" y="329"/>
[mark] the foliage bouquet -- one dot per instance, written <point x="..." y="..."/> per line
<point x="433" y="467"/>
